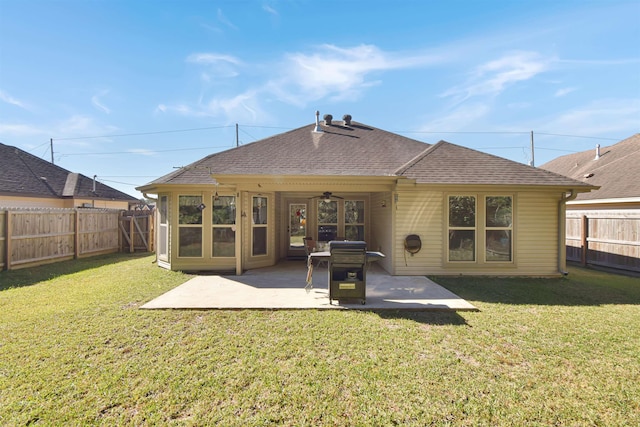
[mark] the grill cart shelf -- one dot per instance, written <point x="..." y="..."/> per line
<point x="347" y="270"/>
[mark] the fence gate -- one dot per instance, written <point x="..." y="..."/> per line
<point x="136" y="229"/>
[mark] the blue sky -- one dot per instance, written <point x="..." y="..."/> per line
<point x="129" y="90"/>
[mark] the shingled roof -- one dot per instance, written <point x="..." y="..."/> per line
<point x="355" y="150"/>
<point x="616" y="171"/>
<point x="23" y="174"/>
<point x="362" y="150"/>
<point x="446" y="163"/>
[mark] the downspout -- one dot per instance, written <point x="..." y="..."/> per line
<point x="562" y="230"/>
<point x="146" y="196"/>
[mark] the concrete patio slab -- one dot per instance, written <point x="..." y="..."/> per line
<point x="283" y="287"/>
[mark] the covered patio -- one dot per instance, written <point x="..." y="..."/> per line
<point x="284" y="286"/>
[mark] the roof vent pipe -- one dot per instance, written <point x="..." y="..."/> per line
<point x="327" y="119"/>
<point x="317" y="128"/>
<point x="94" y="183"/>
<point x="597" y="152"/>
<point x="347" y="119"/>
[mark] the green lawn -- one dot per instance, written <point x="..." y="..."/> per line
<point x="75" y="350"/>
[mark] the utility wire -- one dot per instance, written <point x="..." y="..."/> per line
<point x="288" y="128"/>
<point x="144" y="152"/>
<point x="142" y="133"/>
<point x="579" y="136"/>
<point x="117" y="182"/>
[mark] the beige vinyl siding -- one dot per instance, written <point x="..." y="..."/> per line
<point x="418" y="212"/>
<point x="537" y="236"/>
<point x="423" y="212"/>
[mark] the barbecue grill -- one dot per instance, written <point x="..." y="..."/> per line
<point x="347" y="270"/>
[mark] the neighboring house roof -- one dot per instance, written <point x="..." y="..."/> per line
<point x="23" y="174"/>
<point x="362" y="150"/>
<point x="616" y="171"/>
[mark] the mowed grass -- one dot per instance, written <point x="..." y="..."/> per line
<point x="76" y="350"/>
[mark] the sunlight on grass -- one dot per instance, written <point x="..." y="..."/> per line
<point x="75" y="349"/>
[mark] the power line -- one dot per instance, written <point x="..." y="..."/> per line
<point x="579" y="136"/>
<point x="142" y="133"/>
<point x="143" y="152"/>
<point x="462" y="132"/>
<point x="288" y="128"/>
<point x="118" y="182"/>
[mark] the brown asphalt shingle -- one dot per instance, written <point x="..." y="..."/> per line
<point x="617" y="171"/>
<point x="446" y="163"/>
<point x="356" y="150"/>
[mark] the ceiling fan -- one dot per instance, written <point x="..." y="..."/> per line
<point x="326" y="196"/>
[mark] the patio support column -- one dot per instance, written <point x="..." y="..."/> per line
<point x="240" y="211"/>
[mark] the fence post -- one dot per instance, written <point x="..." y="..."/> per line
<point x="76" y="235"/>
<point x="152" y="231"/>
<point x="132" y="248"/>
<point x="584" y="235"/>
<point x="120" y="241"/>
<point x="7" y="246"/>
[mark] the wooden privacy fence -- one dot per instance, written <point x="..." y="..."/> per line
<point x="608" y="240"/>
<point x="137" y="231"/>
<point x="31" y="237"/>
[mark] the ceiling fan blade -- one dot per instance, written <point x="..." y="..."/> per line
<point x="327" y="195"/>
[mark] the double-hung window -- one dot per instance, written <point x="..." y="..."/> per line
<point x="480" y="228"/>
<point x="498" y="228"/>
<point x="462" y="228"/>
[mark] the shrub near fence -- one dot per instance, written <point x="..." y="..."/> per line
<point x="36" y="236"/>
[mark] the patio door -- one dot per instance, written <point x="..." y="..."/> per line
<point x="297" y="228"/>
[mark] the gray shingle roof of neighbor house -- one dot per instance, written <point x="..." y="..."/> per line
<point x="23" y="174"/>
<point x="616" y="170"/>
<point x="361" y="150"/>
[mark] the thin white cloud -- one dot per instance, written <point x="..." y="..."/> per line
<point x="269" y="9"/>
<point x="326" y="72"/>
<point x="212" y="58"/>
<point x="244" y="105"/>
<point x="97" y="102"/>
<point x="81" y="126"/>
<point x="178" y="109"/>
<point x="224" y="20"/>
<point x="460" y="118"/>
<point x="217" y="66"/>
<point x="495" y="76"/>
<point x="331" y="70"/>
<point x="609" y="117"/>
<point x="20" y="130"/>
<point x="564" y="91"/>
<point x="211" y="28"/>
<point x="142" y="151"/>
<point x="5" y="97"/>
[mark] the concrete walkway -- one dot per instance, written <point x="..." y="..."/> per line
<point x="283" y="287"/>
